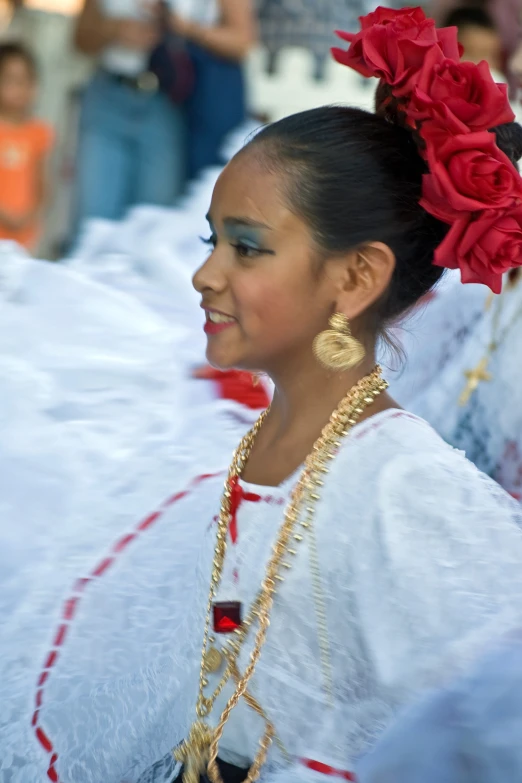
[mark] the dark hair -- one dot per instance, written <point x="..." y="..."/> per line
<point x="469" y="16"/>
<point x="13" y="50"/>
<point x="355" y="177"/>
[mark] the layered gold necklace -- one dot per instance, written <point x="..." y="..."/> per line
<point x="199" y="752"/>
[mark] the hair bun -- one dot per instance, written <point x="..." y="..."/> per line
<point x="509" y="140"/>
<point x="390" y="109"/>
<point x="387" y="105"/>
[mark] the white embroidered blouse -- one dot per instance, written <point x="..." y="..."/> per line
<point x="420" y="566"/>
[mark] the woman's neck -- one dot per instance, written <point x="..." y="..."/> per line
<point x="302" y="406"/>
<point x="312" y="394"/>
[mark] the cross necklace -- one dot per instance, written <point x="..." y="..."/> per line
<point x="480" y="373"/>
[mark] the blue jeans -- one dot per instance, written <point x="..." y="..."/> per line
<point x="132" y="150"/>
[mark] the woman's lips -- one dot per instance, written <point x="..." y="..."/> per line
<point x="216" y="322"/>
<point x="212" y="328"/>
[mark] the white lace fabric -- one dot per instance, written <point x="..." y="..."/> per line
<point x="420" y="566"/>
<point x="100" y="420"/>
<point x="450" y="337"/>
<point x="465" y="732"/>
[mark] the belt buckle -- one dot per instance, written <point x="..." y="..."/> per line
<point x="147" y="82"/>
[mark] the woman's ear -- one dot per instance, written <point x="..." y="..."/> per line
<point x="366" y="276"/>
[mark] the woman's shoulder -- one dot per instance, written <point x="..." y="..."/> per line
<point x="395" y="432"/>
<point x="400" y="464"/>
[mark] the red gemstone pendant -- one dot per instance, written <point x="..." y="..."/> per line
<point x="226" y="616"/>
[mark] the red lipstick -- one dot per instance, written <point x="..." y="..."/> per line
<point x="212" y="327"/>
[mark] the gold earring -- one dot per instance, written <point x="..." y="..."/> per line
<point x="336" y="348"/>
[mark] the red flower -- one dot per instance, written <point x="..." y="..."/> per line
<point x="483" y="246"/>
<point x="237" y="385"/>
<point x="449" y="43"/>
<point x="392" y="45"/>
<point x="450" y="106"/>
<point x="403" y="18"/>
<point x="469" y="173"/>
<point x="467" y="90"/>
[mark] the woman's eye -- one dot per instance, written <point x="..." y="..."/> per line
<point x="246" y="251"/>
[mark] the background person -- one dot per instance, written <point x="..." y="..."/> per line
<point x="506" y="15"/>
<point x="478" y="34"/>
<point x="25" y="146"/>
<point x="218" y="35"/>
<point x="131" y="135"/>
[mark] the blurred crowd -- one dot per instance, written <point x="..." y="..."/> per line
<point x="143" y="93"/>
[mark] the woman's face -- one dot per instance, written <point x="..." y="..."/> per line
<point x="263" y="301"/>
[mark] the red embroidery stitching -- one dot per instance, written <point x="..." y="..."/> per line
<point x="237" y="496"/>
<point x="70" y="607"/>
<point x="325" y="769"/>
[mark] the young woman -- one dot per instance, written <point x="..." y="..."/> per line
<point x="352" y="557"/>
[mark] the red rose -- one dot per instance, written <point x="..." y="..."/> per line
<point x="469" y="173"/>
<point x="483" y="247"/>
<point x="449" y="43"/>
<point x="392" y="45"/>
<point x="379" y="49"/>
<point x="467" y="90"/>
<point x="402" y="18"/>
<point x="441" y="123"/>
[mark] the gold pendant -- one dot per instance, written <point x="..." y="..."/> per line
<point x="194" y="753"/>
<point x="213" y="660"/>
<point x="474" y="378"/>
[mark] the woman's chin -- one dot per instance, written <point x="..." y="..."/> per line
<point x="226" y="360"/>
<point x="221" y="362"/>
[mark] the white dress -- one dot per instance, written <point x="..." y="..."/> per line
<point x="99" y="418"/>
<point x="419" y="560"/>
<point x="449" y="337"/>
<point x="466" y="732"/>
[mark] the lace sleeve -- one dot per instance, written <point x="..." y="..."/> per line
<point x="460" y="734"/>
<point x="444" y="576"/>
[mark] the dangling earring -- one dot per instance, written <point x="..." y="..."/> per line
<point x="336" y="348"/>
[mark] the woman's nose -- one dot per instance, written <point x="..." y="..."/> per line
<point x="210" y="276"/>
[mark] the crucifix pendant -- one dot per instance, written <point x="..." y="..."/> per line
<point x="474" y="378"/>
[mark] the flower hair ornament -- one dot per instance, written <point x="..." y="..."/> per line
<point x="451" y="108"/>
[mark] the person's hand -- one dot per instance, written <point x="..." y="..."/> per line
<point x="136" y="34"/>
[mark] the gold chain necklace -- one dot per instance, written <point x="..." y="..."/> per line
<point x="481" y="373"/>
<point x="199" y="751"/>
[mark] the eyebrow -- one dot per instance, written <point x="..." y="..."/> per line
<point x="241" y="221"/>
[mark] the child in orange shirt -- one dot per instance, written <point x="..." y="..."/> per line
<point x="25" y="146"/>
